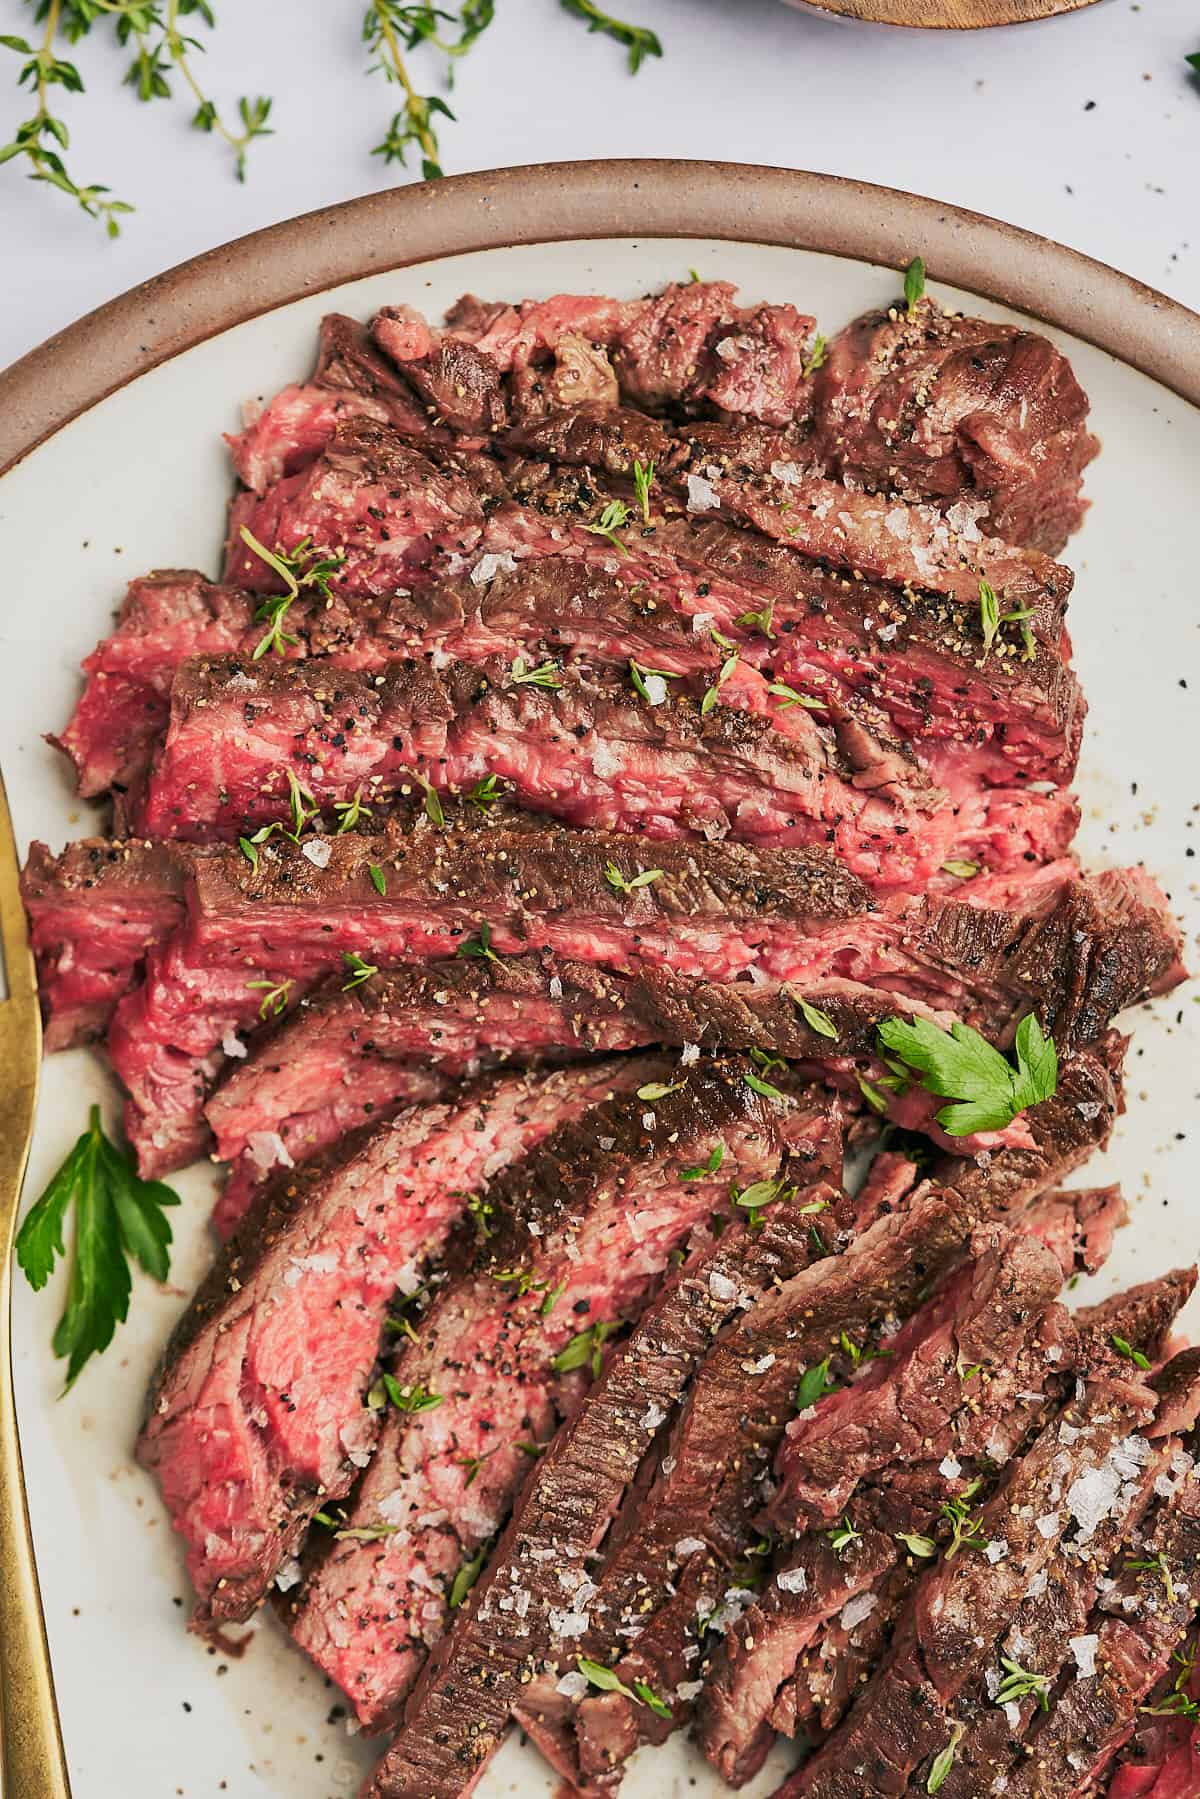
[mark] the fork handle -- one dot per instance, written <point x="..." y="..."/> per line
<point x="32" y="1763"/>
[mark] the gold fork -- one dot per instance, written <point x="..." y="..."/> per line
<point x="32" y="1764"/>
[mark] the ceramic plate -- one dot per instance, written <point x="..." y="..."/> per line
<point x="140" y="478"/>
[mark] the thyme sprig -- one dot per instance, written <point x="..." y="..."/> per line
<point x="162" y="51"/>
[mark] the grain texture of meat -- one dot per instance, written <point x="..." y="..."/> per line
<point x="591" y="750"/>
<point x="460" y="1707"/>
<point x="258" y="1418"/>
<point x="579" y="1233"/>
<point x="1082" y="952"/>
<point x="981" y="417"/>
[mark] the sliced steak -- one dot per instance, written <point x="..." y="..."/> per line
<point x="351" y="380"/>
<point x="552" y="607"/>
<point x="257" y="1418"/>
<point x="95" y="912"/>
<point x="826" y="588"/>
<point x="587" y="749"/>
<point x="987" y="416"/>
<point x="460" y="1706"/>
<point x="579" y="1233"/>
<point x="947" y="1638"/>
<point x="716" y="910"/>
<point x="1050" y="1747"/>
<point x="370" y="496"/>
<point x="353" y="1044"/>
<point x="966" y="1363"/>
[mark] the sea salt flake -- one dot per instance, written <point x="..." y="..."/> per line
<point x="267" y="1150"/>
<point x="1084" y="1651"/>
<point x="856" y="1610"/>
<point x="790" y="473"/>
<point x="1048" y="1524"/>
<point x="792" y="1580"/>
<point x="702" y="495"/>
<point x="317" y="851"/>
<point x="996" y="1550"/>
<point x="656" y="689"/>
<point x="721" y="1287"/>
<point x="232" y="1045"/>
<point x="687" y="1690"/>
<point x="572" y="1686"/>
<point x="290" y="1575"/>
<point x="568" y="1623"/>
<point x="652" y="1417"/>
<point x="489" y="566"/>
<point x="950" y="1466"/>
<point x="687" y="1546"/>
<point x="689" y="1054"/>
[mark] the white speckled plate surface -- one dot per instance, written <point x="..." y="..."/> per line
<point x="141" y="479"/>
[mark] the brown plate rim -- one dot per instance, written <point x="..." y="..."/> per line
<point x="556" y="202"/>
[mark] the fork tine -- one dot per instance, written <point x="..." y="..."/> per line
<point x="18" y="958"/>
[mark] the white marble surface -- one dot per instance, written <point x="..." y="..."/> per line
<point x="996" y="120"/>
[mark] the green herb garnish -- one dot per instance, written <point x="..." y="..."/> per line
<point x="814" y="1384"/>
<point x="545" y="675"/>
<point x="274" y="997"/>
<point x="360" y="971"/>
<point x="118" y="1217"/>
<point x="943" y="1763"/>
<point x="659" y="1089"/>
<point x="712" y="693"/>
<point x="351" y="811"/>
<point x="639" y="42"/>
<point x="790" y="696"/>
<point x="961" y="1065"/>
<point x="614" y="518"/>
<point x="759" y="621"/>
<point x="756" y="1084"/>
<point x="924" y="1548"/>
<point x="378" y="879"/>
<point x="991" y="619"/>
<point x="815" y="1019"/>
<point x="479" y="946"/>
<point x="705" y="1168"/>
<point x="298" y="568"/>
<point x="1018" y="1683"/>
<point x="843" y="1534"/>
<point x="619" y="884"/>
<point x="484" y="794"/>
<point x="914" y="282"/>
<point x="466" y="1577"/>
<point x="643" y="475"/>
<point x="962" y="869"/>
<point x="1124" y="1348"/>
<point x="639" y="676"/>
<point x="584" y="1349"/>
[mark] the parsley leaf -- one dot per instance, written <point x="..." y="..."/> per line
<point x="118" y="1216"/>
<point x="961" y="1065"/>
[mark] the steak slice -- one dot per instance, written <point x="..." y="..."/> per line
<point x="354" y="1043"/>
<point x="369" y="495"/>
<point x="730" y="1430"/>
<point x="947" y="1639"/>
<point x="985" y="415"/>
<point x="1049" y="1748"/>
<point x="586" y="749"/>
<point x="459" y="1709"/>
<point x="830" y="590"/>
<point x="963" y="1378"/>
<point x="95" y="911"/>
<point x="257" y="1418"/>
<point x="580" y="1232"/>
<point x="716" y="911"/>
<point x="552" y="607"/>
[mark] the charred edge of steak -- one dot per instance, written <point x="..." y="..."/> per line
<point x="458" y="1711"/>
